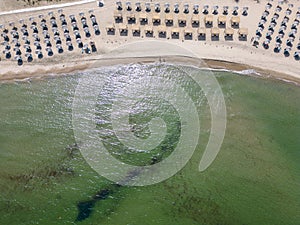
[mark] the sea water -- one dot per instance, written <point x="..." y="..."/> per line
<point x="44" y="179"/>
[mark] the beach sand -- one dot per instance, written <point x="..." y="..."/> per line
<point x="233" y="55"/>
<point x="6" y="5"/>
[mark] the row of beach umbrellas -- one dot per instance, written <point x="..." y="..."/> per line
<point x="282" y="30"/>
<point x="176" y="8"/>
<point x="44" y="30"/>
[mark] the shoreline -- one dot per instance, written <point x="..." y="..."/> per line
<point x="69" y="68"/>
<point x="234" y="55"/>
<point x="259" y="72"/>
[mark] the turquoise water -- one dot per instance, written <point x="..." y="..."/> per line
<point x="254" y="180"/>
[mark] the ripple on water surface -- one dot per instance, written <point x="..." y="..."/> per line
<point x="254" y="180"/>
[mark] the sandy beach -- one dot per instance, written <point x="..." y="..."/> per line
<point x="234" y="55"/>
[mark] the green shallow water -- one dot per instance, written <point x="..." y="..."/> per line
<point x="254" y="179"/>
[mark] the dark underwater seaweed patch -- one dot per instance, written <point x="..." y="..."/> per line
<point x="44" y="173"/>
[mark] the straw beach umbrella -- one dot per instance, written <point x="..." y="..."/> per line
<point x="143" y="18"/>
<point x="243" y="33"/>
<point x="228" y="32"/>
<point x="169" y="20"/>
<point x="188" y="34"/>
<point x="131" y="18"/>
<point x="182" y="20"/>
<point x="148" y="31"/>
<point x="195" y="20"/>
<point x="222" y="21"/>
<point x="235" y="21"/>
<point x="123" y="29"/>
<point x="136" y="31"/>
<point x="156" y="19"/>
<point x="110" y="29"/>
<point x="215" y="31"/>
<point x="175" y="33"/>
<point x="201" y="33"/>
<point x="208" y="20"/>
<point x="118" y="17"/>
<point x="162" y="31"/>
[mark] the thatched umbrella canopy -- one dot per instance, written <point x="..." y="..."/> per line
<point x="188" y="31"/>
<point x="222" y="20"/>
<point x="118" y="15"/>
<point x="148" y="29"/>
<point x="162" y="29"/>
<point x="123" y="28"/>
<point x="155" y="17"/>
<point x="182" y="18"/>
<point x="243" y="32"/>
<point x="229" y="32"/>
<point x="208" y="19"/>
<point x="110" y="28"/>
<point x="195" y="18"/>
<point x="143" y="17"/>
<point x="215" y="31"/>
<point x="235" y="21"/>
<point x="169" y="18"/>
<point x="175" y="31"/>
<point x="201" y="31"/>
<point x="135" y="28"/>
<point x="131" y="16"/>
